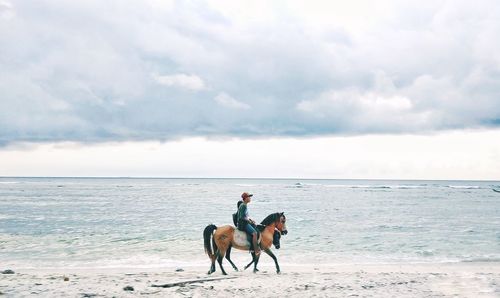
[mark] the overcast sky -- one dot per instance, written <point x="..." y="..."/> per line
<point x="126" y="76"/>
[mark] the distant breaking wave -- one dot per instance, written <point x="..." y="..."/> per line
<point x="464" y="186"/>
<point x="403" y="186"/>
<point x="482" y="260"/>
<point x="378" y="186"/>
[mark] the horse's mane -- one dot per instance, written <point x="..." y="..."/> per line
<point x="271" y="218"/>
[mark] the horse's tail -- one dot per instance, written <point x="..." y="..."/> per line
<point x="207" y="234"/>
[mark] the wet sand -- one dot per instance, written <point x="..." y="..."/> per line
<point x="356" y="280"/>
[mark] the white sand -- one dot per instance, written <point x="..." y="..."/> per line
<point x="408" y="280"/>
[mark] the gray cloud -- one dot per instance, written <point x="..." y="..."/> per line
<point x="98" y="71"/>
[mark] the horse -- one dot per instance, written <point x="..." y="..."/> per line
<point x="276" y="243"/>
<point x="225" y="237"/>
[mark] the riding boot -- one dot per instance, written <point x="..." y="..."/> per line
<point x="256" y="247"/>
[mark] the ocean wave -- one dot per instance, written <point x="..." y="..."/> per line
<point x="425" y="253"/>
<point x="371" y="186"/>
<point x="410" y="186"/>
<point x="336" y="186"/>
<point x="356" y="186"/>
<point x="300" y="219"/>
<point x="482" y="260"/>
<point x="463" y="186"/>
<point x="366" y="186"/>
<point x="296" y="186"/>
<point x="388" y="227"/>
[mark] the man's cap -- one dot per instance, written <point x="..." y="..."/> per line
<point x="246" y="195"/>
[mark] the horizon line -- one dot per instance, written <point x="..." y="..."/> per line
<point x="242" y="178"/>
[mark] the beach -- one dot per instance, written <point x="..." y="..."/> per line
<point x="73" y="237"/>
<point x="473" y="279"/>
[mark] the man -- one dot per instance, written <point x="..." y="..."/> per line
<point x="245" y="222"/>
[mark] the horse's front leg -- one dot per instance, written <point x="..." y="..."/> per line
<point x="251" y="262"/>
<point x="228" y="257"/>
<point x="270" y="253"/>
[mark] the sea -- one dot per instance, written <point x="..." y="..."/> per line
<point x="48" y="223"/>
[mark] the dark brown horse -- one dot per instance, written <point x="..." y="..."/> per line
<point x="228" y="236"/>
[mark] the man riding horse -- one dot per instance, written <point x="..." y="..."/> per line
<point x="245" y="223"/>
<point x="219" y="240"/>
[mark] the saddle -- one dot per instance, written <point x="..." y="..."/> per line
<point x="259" y="228"/>
<point x="242" y="230"/>
<point x="243" y="239"/>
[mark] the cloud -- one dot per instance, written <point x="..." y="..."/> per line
<point x="6" y="10"/>
<point x="225" y="100"/>
<point x="73" y="71"/>
<point x="372" y="112"/>
<point x="191" y="82"/>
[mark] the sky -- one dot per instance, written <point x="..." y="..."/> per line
<point x="305" y="89"/>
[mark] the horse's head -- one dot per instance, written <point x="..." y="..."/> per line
<point x="281" y="223"/>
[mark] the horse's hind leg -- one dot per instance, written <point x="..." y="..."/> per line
<point x="213" y="257"/>
<point x="220" y="257"/>
<point x="212" y="267"/>
<point x="228" y="257"/>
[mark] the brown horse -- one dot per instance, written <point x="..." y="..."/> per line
<point x="228" y="236"/>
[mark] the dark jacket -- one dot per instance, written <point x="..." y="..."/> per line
<point x="241" y="214"/>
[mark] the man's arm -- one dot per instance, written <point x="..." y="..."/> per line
<point x="245" y="215"/>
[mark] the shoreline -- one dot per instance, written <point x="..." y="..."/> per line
<point x="469" y="279"/>
<point x="341" y="267"/>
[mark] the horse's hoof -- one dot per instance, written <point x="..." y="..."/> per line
<point x="279" y="272"/>
<point x="224" y="273"/>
